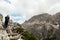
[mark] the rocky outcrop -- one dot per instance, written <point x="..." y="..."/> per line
<point x="43" y="26"/>
<point x="3" y="33"/>
<point x="6" y="33"/>
<point x="57" y="19"/>
<point x="1" y="17"/>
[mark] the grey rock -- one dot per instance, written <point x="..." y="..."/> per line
<point x="42" y="26"/>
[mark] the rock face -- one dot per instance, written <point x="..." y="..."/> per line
<point x="57" y="19"/>
<point x="6" y="34"/>
<point x="1" y="20"/>
<point x="43" y="26"/>
<point x="1" y="17"/>
<point x="3" y="35"/>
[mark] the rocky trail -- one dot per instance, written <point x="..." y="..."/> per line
<point x="9" y="36"/>
<point x="6" y="33"/>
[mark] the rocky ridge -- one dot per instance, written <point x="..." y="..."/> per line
<point x="14" y="31"/>
<point x="44" y="26"/>
<point x="4" y="34"/>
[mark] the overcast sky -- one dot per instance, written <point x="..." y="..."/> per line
<point x="21" y="10"/>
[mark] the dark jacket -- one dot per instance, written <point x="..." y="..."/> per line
<point x="6" y="22"/>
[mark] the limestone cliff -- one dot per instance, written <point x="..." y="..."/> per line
<point x="7" y="34"/>
<point x="43" y="26"/>
<point x="14" y="31"/>
<point x="4" y="35"/>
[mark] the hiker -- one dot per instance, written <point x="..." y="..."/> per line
<point x="6" y="21"/>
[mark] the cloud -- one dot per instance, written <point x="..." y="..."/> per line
<point x="54" y="8"/>
<point x="21" y="10"/>
<point x="8" y="1"/>
<point x="5" y="7"/>
<point x="18" y="17"/>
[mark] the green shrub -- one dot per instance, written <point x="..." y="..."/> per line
<point x="28" y="36"/>
<point x="25" y="34"/>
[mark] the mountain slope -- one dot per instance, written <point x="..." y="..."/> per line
<point x="14" y="31"/>
<point x="41" y="26"/>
